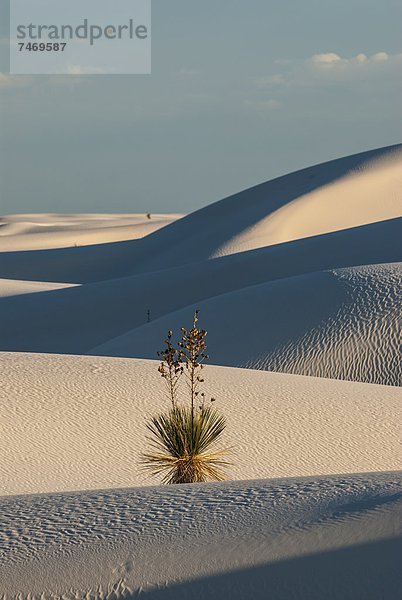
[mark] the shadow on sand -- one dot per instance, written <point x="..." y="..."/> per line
<point x="370" y="571"/>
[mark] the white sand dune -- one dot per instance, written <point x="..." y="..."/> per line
<point x="73" y="423"/>
<point x="78" y="423"/>
<point x="325" y="537"/>
<point x="350" y="332"/>
<point x="16" y="287"/>
<point x="300" y="275"/>
<point x="340" y="324"/>
<point x="68" y="320"/>
<point x="36" y="232"/>
<point x="341" y="194"/>
<point x="374" y="187"/>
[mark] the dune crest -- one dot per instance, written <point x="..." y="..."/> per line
<point x="370" y="194"/>
<point x="340" y="194"/>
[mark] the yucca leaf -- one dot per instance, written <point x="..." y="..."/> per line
<point x="184" y="442"/>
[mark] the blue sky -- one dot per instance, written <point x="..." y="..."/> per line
<point x="241" y="91"/>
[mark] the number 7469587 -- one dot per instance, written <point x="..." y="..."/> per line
<point x="42" y="46"/>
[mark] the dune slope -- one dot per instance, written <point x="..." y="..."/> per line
<point x="16" y="287"/>
<point x="340" y="324"/>
<point x="68" y="321"/>
<point x="340" y="194"/>
<point x="328" y="537"/>
<point x="73" y="423"/>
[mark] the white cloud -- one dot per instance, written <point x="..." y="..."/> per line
<point x="361" y="58"/>
<point x="363" y="76"/>
<point x="330" y="60"/>
<point x="381" y="56"/>
<point x="329" y="67"/>
<point x="327" y="58"/>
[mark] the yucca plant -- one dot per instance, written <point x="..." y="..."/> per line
<point x="183" y="445"/>
<point x="184" y="438"/>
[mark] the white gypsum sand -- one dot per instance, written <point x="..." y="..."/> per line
<point x="333" y="196"/>
<point x="299" y="275"/>
<point x="16" y="287"/>
<point x="337" y="322"/>
<point x="370" y="192"/>
<point x="324" y="537"/>
<point x="78" y="422"/>
<point x="36" y="232"/>
<point x="340" y="324"/>
<point x="68" y="320"/>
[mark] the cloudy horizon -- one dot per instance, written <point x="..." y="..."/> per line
<point x="239" y="93"/>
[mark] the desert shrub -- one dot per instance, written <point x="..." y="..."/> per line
<point x="184" y="438"/>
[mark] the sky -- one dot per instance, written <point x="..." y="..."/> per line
<point x="241" y="91"/>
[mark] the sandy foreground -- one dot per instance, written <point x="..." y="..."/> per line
<point x="78" y="423"/>
<point x="298" y="283"/>
<point x="323" y="537"/>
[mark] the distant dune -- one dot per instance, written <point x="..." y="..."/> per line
<point x="16" y="287"/>
<point x="36" y="232"/>
<point x="340" y="194"/>
<point x="67" y="321"/>
<point x="331" y="322"/>
<point x="340" y="324"/>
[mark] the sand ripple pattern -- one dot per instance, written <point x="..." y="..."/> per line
<point x="55" y="529"/>
<point x="78" y="423"/>
<point x="358" y="340"/>
<point x="57" y="523"/>
<point x="339" y="323"/>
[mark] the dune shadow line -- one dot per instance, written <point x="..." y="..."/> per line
<point x="370" y="571"/>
